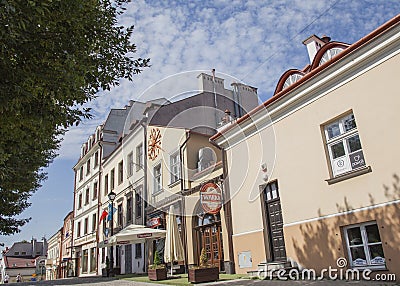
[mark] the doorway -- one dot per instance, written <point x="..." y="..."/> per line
<point x="274" y="222"/>
<point x="209" y="236"/>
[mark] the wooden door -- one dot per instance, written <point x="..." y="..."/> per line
<point x="274" y="222"/>
<point x="212" y="243"/>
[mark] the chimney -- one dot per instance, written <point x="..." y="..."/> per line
<point x="314" y="43"/>
<point x="33" y="242"/>
<point x="209" y="83"/>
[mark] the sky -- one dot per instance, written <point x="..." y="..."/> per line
<point x="254" y="42"/>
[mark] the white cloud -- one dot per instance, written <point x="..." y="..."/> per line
<point x="255" y="41"/>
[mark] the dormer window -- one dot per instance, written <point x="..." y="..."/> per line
<point x="329" y="54"/>
<point x="291" y="80"/>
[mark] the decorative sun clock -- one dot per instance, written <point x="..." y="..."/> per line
<point x="154" y="143"/>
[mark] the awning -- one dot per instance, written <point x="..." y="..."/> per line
<point x="133" y="234"/>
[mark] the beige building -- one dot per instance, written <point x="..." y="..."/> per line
<point x="53" y="256"/>
<point x="185" y="171"/>
<point x="313" y="168"/>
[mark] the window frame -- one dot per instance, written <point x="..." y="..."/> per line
<point x="343" y="138"/>
<point x="120" y="172"/>
<point x="106" y="185"/>
<point x="112" y="179"/>
<point x="175" y="175"/>
<point x="138" y="203"/>
<point x="120" y="214"/>
<point x="157" y="179"/>
<point x="139" y="157"/>
<point x="365" y="244"/>
<point x="129" y="209"/>
<point x="130" y="163"/>
<point x="87" y="196"/>
<point x="95" y="190"/>
<point x="88" y="167"/>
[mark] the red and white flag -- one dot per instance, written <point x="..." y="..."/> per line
<point x="103" y="215"/>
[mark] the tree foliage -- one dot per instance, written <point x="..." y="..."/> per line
<point x="55" y="56"/>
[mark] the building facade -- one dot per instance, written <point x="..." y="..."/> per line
<point x="327" y="189"/>
<point x="66" y="263"/>
<point x="54" y="256"/>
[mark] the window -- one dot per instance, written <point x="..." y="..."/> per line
<point x="329" y="54"/>
<point x="106" y="185"/>
<point x="94" y="222"/>
<point x="138" y="204"/>
<point x="86" y="226"/>
<point x="174" y="167"/>
<point x="81" y="173"/>
<point x="80" y="201"/>
<point x="138" y="250"/>
<point x="139" y="157"/>
<point x="129" y="210"/>
<point x="364" y="245"/>
<point x="291" y="80"/>
<point x="16" y="253"/>
<point x="94" y="195"/>
<point x="120" y="172"/>
<point x="344" y="145"/>
<point x="93" y="259"/>
<point x="103" y="255"/>
<point x="119" y="215"/>
<point x="78" y="229"/>
<point x="88" y="167"/>
<point x="85" y="260"/>
<point x="112" y="179"/>
<point x="96" y="159"/>
<point x="87" y="196"/>
<point x="157" y="179"/>
<point x="130" y="164"/>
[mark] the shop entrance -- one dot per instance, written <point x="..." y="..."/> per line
<point x="209" y="237"/>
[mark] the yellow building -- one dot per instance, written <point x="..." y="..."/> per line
<point x="313" y="169"/>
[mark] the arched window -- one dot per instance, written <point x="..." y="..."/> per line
<point x="291" y="80"/>
<point x="330" y="54"/>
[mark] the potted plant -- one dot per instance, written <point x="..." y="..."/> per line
<point x="204" y="272"/>
<point x="157" y="271"/>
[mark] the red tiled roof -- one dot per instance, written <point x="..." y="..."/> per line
<point x="19" y="262"/>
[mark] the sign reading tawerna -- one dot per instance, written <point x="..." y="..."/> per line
<point x="211" y="198"/>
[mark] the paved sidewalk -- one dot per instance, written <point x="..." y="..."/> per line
<point x="102" y="281"/>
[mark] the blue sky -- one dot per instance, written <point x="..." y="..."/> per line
<point x="254" y="41"/>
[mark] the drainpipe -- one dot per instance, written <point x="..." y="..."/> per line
<point x="73" y="226"/>
<point x="144" y="124"/>
<point x="98" y="203"/>
<point x="227" y="206"/>
<point x="183" y="197"/>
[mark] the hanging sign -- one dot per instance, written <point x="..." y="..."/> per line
<point x="211" y="198"/>
<point x="154" y="222"/>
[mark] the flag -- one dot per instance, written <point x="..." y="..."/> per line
<point x="103" y="215"/>
<point x="111" y="210"/>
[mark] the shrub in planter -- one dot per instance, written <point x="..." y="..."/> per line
<point x="204" y="272"/>
<point x="157" y="271"/>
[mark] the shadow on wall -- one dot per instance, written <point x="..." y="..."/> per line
<point x="318" y="245"/>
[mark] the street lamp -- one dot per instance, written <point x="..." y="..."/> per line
<point x="111" y="197"/>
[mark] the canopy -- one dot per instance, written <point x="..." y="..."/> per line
<point x="173" y="243"/>
<point x="133" y="234"/>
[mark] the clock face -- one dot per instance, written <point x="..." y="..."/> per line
<point x="154" y="143"/>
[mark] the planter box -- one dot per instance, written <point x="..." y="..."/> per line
<point x="199" y="275"/>
<point x="157" y="274"/>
